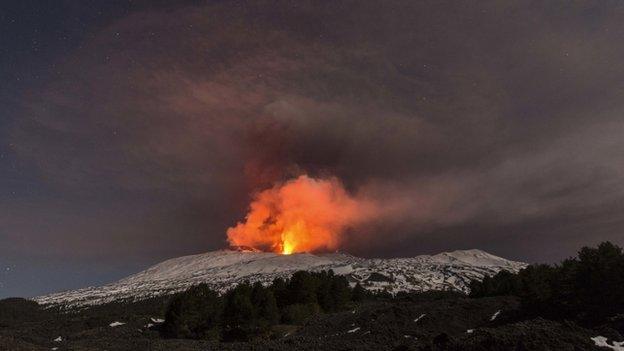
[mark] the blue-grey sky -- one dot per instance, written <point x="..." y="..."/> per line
<point x="135" y="131"/>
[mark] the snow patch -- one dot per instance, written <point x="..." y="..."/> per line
<point x="353" y="330"/>
<point x="419" y="317"/>
<point x="59" y="339"/>
<point x="495" y="315"/>
<point x="470" y="331"/>
<point x="116" y="324"/>
<point x="602" y="342"/>
<point x="157" y="320"/>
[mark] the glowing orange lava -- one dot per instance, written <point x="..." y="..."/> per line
<point x="301" y="215"/>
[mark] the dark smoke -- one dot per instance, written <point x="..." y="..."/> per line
<point x="494" y="125"/>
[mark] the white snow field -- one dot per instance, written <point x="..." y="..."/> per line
<point x="223" y="269"/>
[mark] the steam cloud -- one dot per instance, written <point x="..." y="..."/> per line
<point x="301" y="215"/>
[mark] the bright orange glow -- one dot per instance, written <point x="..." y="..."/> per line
<point x="301" y="215"/>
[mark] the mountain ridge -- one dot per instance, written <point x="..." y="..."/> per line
<point x="222" y="269"/>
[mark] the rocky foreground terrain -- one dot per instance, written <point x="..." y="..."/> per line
<point x="429" y="310"/>
<point x="430" y="321"/>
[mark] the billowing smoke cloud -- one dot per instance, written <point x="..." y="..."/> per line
<point x="301" y="215"/>
<point x="490" y="125"/>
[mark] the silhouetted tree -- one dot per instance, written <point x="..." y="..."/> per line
<point x="195" y="314"/>
<point x="359" y="293"/>
<point x="265" y="304"/>
<point x="588" y="288"/>
<point x="340" y="292"/>
<point x="248" y="311"/>
<point x="302" y="288"/>
<point x="280" y="292"/>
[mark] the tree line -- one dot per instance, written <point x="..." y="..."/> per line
<point x="588" y="289"/>
<point x="249" y="311"/>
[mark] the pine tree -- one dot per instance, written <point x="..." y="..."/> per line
<point x="359" y="293"/>
<point x="195" y="314"/>
<point x="239" y="310"/>
<point x="265" y="305"/>
<point x="340" y="292"/>
<point x="302" y="288"/>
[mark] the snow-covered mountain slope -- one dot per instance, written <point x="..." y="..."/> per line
<point x="226" y="268"/>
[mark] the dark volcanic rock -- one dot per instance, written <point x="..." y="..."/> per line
<point x="433" y="321"/>
<point x="536" y="334"/>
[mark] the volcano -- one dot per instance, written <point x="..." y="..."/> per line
<point x="224" y="269"/>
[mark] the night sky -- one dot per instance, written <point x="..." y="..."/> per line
<point x="135" y="131"/>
